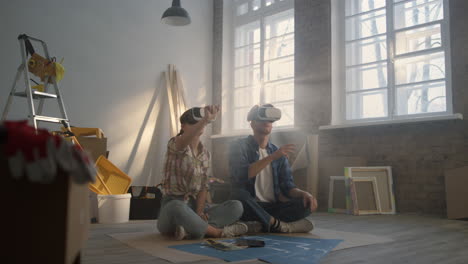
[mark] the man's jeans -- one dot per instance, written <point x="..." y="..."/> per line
<point x="254" y="210"/>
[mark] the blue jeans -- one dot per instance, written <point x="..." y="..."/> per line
<point x="254" y="210"/>
<point x="175" y="211"/>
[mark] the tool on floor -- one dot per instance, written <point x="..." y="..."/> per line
<point x="49" y="71"/>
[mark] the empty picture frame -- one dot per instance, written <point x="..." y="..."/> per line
<point x="337" y="195"/>
<point x="384" y="181"/>
<point x="364" y="195"/>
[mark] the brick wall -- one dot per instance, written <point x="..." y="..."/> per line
<point x="418" y="154"/>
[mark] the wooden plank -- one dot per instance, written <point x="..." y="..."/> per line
<point x="337" y="195"/>
<point x="384" y="181"/>
<point x="456" y="184"/>
<point x="364" y="195"/>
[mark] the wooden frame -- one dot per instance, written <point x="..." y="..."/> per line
<point x="365" y="202"/>
<point x="384" y="184"/>
<point x="332" y="193"/>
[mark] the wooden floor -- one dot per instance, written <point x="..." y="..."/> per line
<point x="417" y="239"/>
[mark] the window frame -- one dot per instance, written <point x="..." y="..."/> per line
<point x="392" y="87"/>
<point x="251" y="16"/>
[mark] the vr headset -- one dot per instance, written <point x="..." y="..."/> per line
<point x="197" y="113"/>
<point x="264" y="113"/>
<point x="193" y="115"/>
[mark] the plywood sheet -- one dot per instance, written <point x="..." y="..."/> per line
<point x="365" y="195"/>
<point x="339" y="194"/>
<point x="384" y="183"/>
<point x="157" y="245"/>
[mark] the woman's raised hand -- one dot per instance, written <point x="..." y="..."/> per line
<point x="211" y="111"/>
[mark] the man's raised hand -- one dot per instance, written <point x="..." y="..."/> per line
<point x="284" y="150"/>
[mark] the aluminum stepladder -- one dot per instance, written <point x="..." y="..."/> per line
<point x="30" y="94"/>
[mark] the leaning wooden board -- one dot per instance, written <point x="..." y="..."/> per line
<point x="383" y="176"/>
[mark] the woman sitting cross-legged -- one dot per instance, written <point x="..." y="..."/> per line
<point x="184" y="213"/>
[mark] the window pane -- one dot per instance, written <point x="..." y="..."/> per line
<point x="242" y="9"/>
<point x="279" y="91"/>
<point x="279" y="69"/>
<point x="247" y="76"/>
<point x="279" y="47"/>
<point x="246" y="97"/>
<point x="240" y="118"/>
<point x="358" y="6"/>
<point x="247" y="55"/>
<point x="248" y="34"/>
<point x="364" y="51"/>
<point x="418" y="39"/>
<point x="366" y="105"/>
<point x="366" y="25"/>
<point x="366" y="77"/>
<point x="256" y="5"/>
<point x="420" y="68"/>
<point x="287" y="114"/>
<point x="279" y="24"/>
<point x="423" y="98"/>
<point x="417" y="12"/>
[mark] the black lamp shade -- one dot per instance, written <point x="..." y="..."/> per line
<point x="176" y="15"/>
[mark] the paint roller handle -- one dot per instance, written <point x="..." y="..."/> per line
<point x="71" y="134"/>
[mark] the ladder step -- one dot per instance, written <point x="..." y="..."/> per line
<point x="36" y="95"/>
<point x="49" y="119"/>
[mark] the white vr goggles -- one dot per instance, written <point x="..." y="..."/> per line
<point x="198" y="113"/>
<point x="264" y="113"/>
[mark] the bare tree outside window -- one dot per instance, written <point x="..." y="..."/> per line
<point x="395" y="66"/>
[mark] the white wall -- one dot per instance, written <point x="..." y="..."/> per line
<point x="115" y="52"/>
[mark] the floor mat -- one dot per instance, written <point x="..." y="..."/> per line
<point x="157" y="245"/>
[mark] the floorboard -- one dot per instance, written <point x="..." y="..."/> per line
<point x="417" y="239"/>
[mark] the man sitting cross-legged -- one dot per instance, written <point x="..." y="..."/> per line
<point x="261" y="179"/>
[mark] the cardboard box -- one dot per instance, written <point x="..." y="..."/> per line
<point x="456" y="184"/>
<point x="94" y="146"/>
<point x="45" y="223"/>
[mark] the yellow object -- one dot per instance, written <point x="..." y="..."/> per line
<point x="110" y="179"/>
<point x="100" y="186"/>
<point x="86" y="131"/>
<point x="92" y="187"/>
<point x="39" y="87"/>
<point x="59" y="71"/>
<point x="45" y="68"/>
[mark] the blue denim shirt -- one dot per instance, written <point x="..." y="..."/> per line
<point x="243" y="152"/>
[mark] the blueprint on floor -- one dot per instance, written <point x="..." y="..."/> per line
<point x="278" y="250"/>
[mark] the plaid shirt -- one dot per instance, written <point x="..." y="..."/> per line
<point x="184" y="173"/>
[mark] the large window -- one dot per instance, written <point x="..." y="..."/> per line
<point x="395" y="62"/>
<point x="262" y="60"/>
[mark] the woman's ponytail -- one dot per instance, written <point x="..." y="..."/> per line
<point x="180" y="133"/>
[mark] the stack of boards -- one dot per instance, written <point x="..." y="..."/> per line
<point x="362" y="191"/>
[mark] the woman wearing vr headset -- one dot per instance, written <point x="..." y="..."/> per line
<point x="183" y="209"/>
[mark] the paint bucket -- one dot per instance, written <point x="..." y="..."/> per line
<point x="113" y="209"/>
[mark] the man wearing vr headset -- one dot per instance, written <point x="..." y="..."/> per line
<point x="183" y="211"/>
<point x="262" y="181"/>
